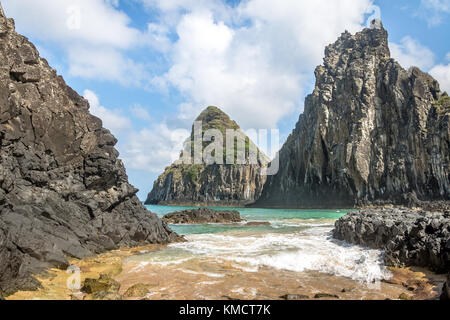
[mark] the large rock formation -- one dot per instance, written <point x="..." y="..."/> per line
<point x="408" y="237"/>
<point x="63" y="190"/>
<point x="202" y="215"/>
<point x="211" y="184"/>
<point x="371" y="133"/>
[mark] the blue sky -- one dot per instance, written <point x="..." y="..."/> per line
<point x="148" y="67"/>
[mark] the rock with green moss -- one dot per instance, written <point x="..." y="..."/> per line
<point x="236" y="182"/>
<point x="102" y="284"/>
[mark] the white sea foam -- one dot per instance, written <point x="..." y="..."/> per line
<point x="309" y="249"/>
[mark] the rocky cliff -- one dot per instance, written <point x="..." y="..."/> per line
<point x="63" y="190"/>
<point x="211" y="184"/>
<point x="371" y="133"/>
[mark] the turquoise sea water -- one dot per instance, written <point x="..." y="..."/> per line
<point x="295" y="240"/>
<point x="282" y="220"/>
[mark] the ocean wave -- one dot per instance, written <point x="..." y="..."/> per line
<point x="311" y="249"/>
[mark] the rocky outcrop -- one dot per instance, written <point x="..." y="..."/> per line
<point x="211" y="184"/>
<point x="63" y="190"/>
<point x="202" y="215"/>
<point x="408" y="238"/>
<point x="371" y="133"/>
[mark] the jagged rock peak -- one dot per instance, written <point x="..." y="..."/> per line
<point x="63" y="190"/>
<point x="211" y="184"/>
<point x="370" y="42"/>
<point x="2" y="13"/>
<point x="371" y="133"/>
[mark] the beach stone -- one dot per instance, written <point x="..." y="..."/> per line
<point x="138" y="290"/>
<point x="202" y="215"/>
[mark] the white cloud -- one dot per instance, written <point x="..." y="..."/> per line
<point x="411" y="53"/>
<point x="112" y="119"/>
<point x="434" y="11"/>
<point x="254" y="60"/>
<point x="140" y="113"/>
<point x="93" y="33"/>
<point x="442" y="73"/>
<point x="150" y="149"/>
<point x="105" y="64"/>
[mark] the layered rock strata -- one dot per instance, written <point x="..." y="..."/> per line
<point x="372" y="133"/>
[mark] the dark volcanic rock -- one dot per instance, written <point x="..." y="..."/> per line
<point x="371" y="133"/>
<point x="212" y="184"/>
<point x="202" y="215"/>
<point x="63" y="190"/>
<point x="446" y="289"/>
<point x="409" y="238"/>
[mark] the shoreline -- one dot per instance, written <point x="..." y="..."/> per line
<point x="416" y="282"/>
<point x="410" y="283"/>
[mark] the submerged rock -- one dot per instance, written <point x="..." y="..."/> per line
<point x="215" y="184"/>
<point x="408" y="237"/>
<point x="202" y="215"/>
<point x="371" y="133"/>
<point x="257" y="223"/>
<point x="63" y="190"/>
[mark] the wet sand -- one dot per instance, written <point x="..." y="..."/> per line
<point x="221" y="279"/>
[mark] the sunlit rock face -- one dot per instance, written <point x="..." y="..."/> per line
<point x="371" y="133"/>
<point x="63" y="190"/>
<point x="186" y="182"/>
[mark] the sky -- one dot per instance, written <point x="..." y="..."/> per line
<point x="149" y="67"/>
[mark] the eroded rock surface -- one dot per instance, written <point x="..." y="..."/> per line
<point x="202" y="215"/>
<point x="408" y="237"/>
<point x="63" y="190"/>
<point x="371" y="133"/>
<point x="212" y="184"/>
